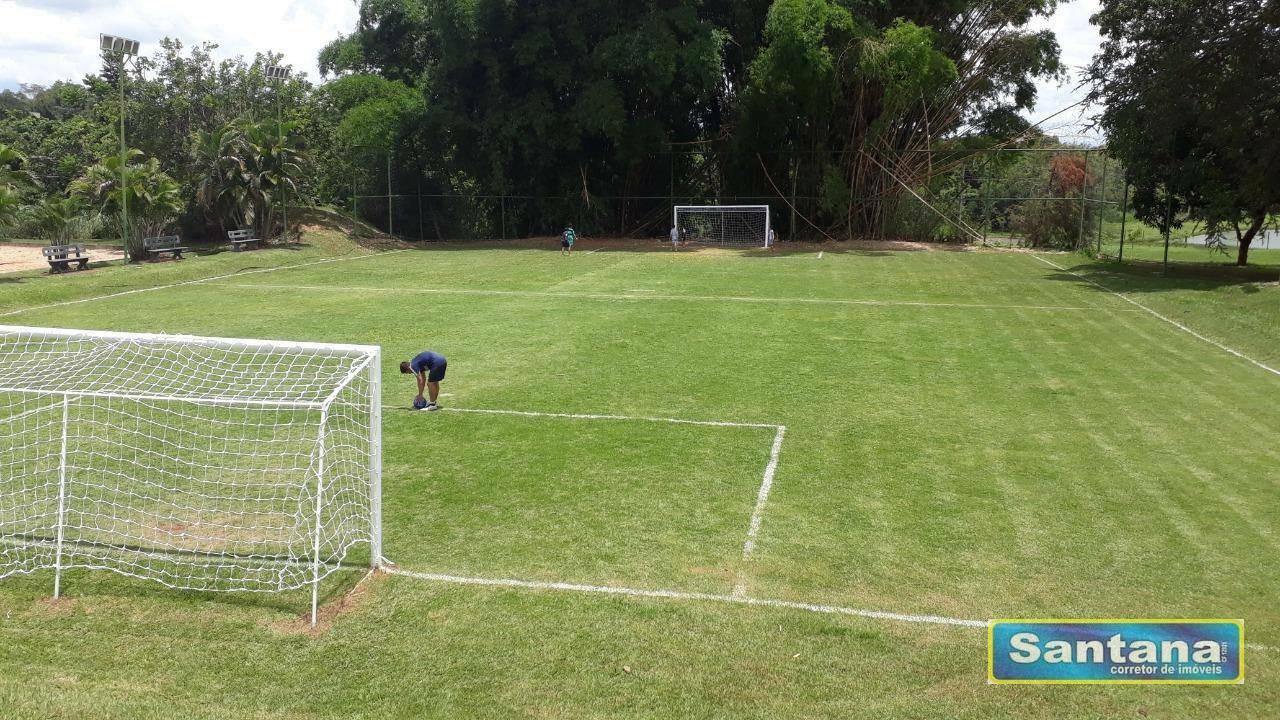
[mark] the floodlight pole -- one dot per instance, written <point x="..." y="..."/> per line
<point x="124" y="169"/>
<point x="126" y="48"/>
<point x="278" y="75"/>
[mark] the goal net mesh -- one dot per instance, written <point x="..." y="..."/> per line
<point x="202" y="464"/>
<point x="724" y="225"/>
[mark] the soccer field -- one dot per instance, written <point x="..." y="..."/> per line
<point x="709" y="484"/>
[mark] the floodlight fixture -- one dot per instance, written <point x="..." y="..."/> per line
<point x="124" y="46"/>
<point x="275" y="72"/>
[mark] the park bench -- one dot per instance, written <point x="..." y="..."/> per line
<point x="60" y="257"/>
<point x="169" y="244"/>
<point x="241" y="239"/>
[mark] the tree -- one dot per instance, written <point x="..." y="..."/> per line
<point x="14" y="177"/>
<point x="154" y="198"/>
<point x="1191" y="109"/>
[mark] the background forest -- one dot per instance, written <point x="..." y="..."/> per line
<point x="491" y="118"/>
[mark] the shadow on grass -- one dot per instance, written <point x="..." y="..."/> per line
<point x="102" y="587"/>
<point x="1150" y="277"/>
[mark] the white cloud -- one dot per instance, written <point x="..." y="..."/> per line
<point x="46" y="40"/>
<point x="1079" y="40"/>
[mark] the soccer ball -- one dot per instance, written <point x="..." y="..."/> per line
<point x="419" y="403"/>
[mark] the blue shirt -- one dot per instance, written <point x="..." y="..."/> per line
<point x="427" y="361"/>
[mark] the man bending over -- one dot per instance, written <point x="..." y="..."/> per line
<point x="429" y="368"/>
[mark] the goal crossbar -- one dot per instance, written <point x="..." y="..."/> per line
<point x="223" y="342"/>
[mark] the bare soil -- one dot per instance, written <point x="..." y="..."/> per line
<point x="24" y="258"/>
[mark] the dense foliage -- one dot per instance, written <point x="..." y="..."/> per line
<point x="206" y="153"/>
<point x="816" y="105"/>
<point x="1192" y="107"/>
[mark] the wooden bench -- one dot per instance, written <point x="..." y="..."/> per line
<point x="169" y="244"/>
<point x="241" y="239"/>
<point x="60" y="257"/>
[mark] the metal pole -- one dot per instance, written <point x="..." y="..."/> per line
<point x="390" y="199"/>
<point x="1168" y="228"/>
<point x="503" y="200"/>
<point x="375" y="461"/>
<point x="284" y="184"/>
<point x="1102" y="202"/>
<point x="315" y="551"/>
<point x="124" y="170"/>
<point x="62" y="498"/>
<point x="1124" y="216"/>
<point x="1084" y="184"/>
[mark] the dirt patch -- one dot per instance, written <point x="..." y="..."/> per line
<point x="587" y="244"/>
<point x="25" y="258"/>
<point x="329" y="612"/>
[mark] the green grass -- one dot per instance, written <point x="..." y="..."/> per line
<point x="1017" y="442"/>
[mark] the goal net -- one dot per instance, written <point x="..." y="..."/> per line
<point x="743" y="225"/>
<point x="199" y="463"/>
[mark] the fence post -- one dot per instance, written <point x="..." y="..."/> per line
<point x="1124" y="216"/>
<point x="1102" y="202"/>
<point x="1084" y="186"/>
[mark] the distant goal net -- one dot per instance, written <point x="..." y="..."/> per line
<point x="734" y="225"/>
<point x="198" y="463"/>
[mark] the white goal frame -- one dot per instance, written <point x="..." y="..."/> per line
<point x="70" y="398"/>
<point x="721" y="213"/>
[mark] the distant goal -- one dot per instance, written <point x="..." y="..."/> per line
<point x="198" y="463"/>
<point x="732" y="225"/>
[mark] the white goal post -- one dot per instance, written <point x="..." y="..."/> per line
<point x="740" y="225"/>
<point x="203" y="464"/>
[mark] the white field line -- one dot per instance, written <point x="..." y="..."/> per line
<point x="762" y="495"/>
<point x="198" y="281"/>
<point x="677" y="595"/>
<point x="593" y="252"/>
<point x="705" y="597"/>
<point x="757" y="515"/>
<point x="1172" y="322"/>
<point x="650" y="297"/>
<point x="573" y="416"/>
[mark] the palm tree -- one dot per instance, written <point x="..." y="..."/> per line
<point x="264" y="163"/>
<point x="152" y="194"/>
<point x="214" y="163"/>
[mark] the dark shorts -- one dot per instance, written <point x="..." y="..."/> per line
<point x="436" y="374"/>
<point x="565" y="243"/>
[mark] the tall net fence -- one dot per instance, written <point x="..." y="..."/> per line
<point x="1050" y="197"/>
<point x="197" y="463"/>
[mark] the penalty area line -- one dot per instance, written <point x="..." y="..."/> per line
<point x="678" y="595"/>
<point x="757" y="515"/>
<point x="631" y="418"/>
<point x="1157" y="315"/>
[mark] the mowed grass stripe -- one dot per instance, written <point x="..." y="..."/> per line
<point x="1169" y="321"/>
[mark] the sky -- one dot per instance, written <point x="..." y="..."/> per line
<point x="46" y="40"/>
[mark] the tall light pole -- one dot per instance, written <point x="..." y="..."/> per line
<point x="278" y="76"/>
<point x="126" y="49"/>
